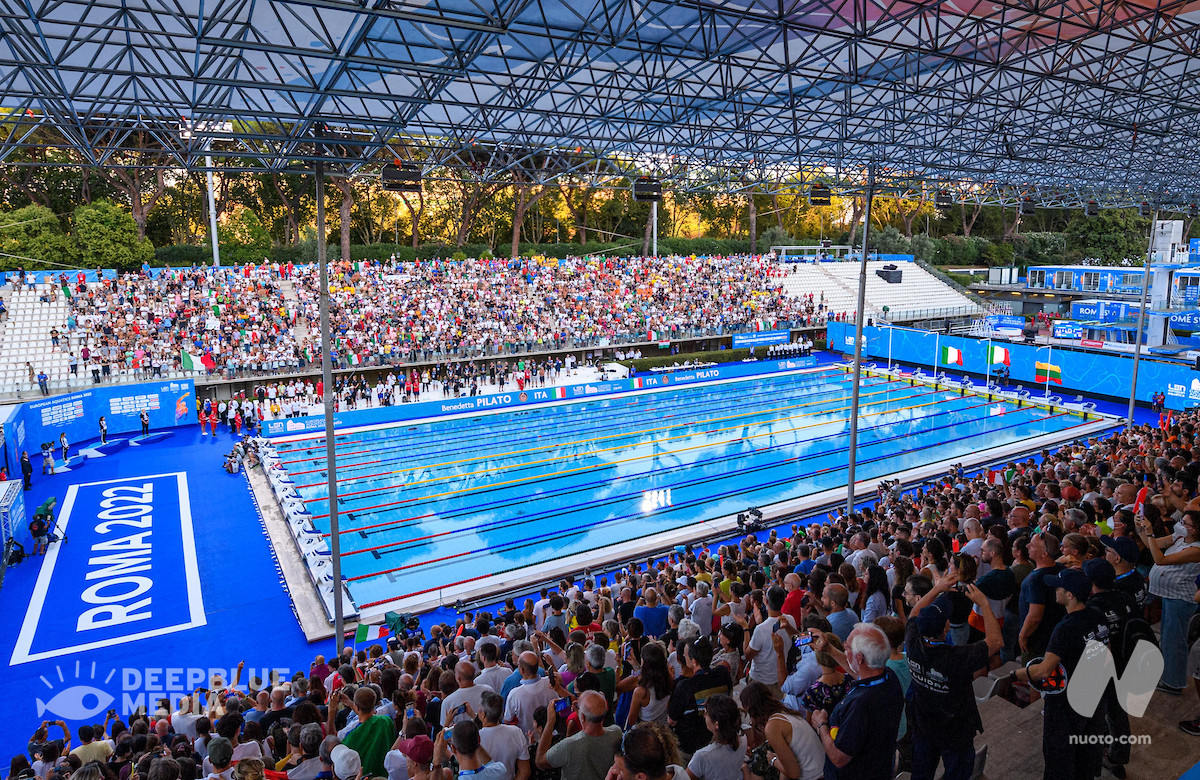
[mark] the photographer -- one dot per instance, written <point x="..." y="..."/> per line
<point x="945" y="715"/>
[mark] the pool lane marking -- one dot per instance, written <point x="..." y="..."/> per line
<point x="606" y="464"/>
<point x="404" y="522"/>
<point x="578" y="531"/>
<point x="528" y="463"/>
<point x="650" y="412"/>
<point x="559" y="421"/>
<point x="579" y="442"/>
<point x="829" y="372"/>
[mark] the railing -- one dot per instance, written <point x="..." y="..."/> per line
<point x="950" y="282"/>
<point x="299" y="367"/>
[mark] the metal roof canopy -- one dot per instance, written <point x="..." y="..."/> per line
<point x="997" y="100"/>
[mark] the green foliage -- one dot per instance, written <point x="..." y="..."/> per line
<point x="1113" y="237"/>
<point x="181" y="255"/>
<point x="105" y="235"/>
<point x="243" y="238"/>
<point x="712" y="356"/>
<point x="33" y="232"/>
<point x="889" y="241"/>
<point x="775" y="236"/>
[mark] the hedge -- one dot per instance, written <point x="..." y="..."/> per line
<point x="711" y="356"/>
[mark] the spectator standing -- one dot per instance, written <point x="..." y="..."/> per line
<point x="859" y="736"/>
<point x="1176" y="566"/>
<point x="945" y="716"/>
<point x="586" y="755"/>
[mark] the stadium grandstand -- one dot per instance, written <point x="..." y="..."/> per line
<point x="333" y="449"/>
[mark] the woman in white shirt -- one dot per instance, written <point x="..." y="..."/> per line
<point x="722" y="758"/>
<point x="797" y="750"/>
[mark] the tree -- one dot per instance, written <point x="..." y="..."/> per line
<point x="1113" y="237"/>
<point x="33" y="233"/>
<point x="106" y="235"/>
<point x="243" y="237"/>
<point x="346" y="187"/>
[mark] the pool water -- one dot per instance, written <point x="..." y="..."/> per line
<point x="423" y="506"/>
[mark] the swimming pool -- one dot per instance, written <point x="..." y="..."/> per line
<point x="427" y="505"/>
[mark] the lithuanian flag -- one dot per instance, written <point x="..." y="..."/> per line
<point x="1047" y="372"/>
<point x="951" y="356"/>
<point x="998" y="355"/>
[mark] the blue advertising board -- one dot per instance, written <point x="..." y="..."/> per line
<point x="1006" y="321"/>
<point x="1092" y="371"/>
<point x="388" y="414"/>
<point x="761" y="339"/>
<point x="130" y="566"/>
<point x="167" y="403"/>
<point x="1064" y="329"/>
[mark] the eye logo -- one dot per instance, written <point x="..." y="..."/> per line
<point x="78" y="702"/>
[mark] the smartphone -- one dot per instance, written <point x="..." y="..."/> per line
<point x="459" y="710"/>
<point x="804" y="640"/>
<point x="112" y="713"/>
<point x="562" y="707"/>
<point x="410" y="712"/>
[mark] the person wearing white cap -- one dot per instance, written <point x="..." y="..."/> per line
<point x="346" y="764"/>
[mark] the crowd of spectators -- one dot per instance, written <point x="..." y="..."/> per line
<point x="845" y="649"/>
<point x="382" y="312"/>
<point x="235" y="320"/>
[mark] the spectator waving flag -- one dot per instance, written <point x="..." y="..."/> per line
<point x="998" y="355"/>
<point x="367" y="631"/>
<point x="190" y="362"/>
<point x="951" y="356"/>
<point x="1047" y="372"/>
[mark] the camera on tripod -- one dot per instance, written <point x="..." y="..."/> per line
<point x="750" y="521"/>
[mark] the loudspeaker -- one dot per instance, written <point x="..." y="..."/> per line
<point x="943" y="199"/>
<point x="1028" y="206"/>
<point x="1146" y="210"/>
<point x="1198" y="362"/>
<point x="647" y="189"/>
<point x="1091" y="208"/>
<point x="1193" y="210"/>
<point x="819" y="195"/>
<point x="402" y="177"/>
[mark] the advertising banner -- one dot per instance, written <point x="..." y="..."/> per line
<point x="761" y="339"/>
<point x="666" y="380"/>
<point x="1107" y="373"/>
<point x="1065" y="329"/>
<point x="1006" y="322"/>
<point x="168" y="404"/>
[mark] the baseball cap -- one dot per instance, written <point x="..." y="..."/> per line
<point x="419" y="749"/>
<point x="1073" y="581"/>
<point x="1100" y="572"/>
<point x="1071" y="493"/>
<point x="220" y="751"/>
<point x="346" y="764"/>
<point x="932" y="620"/>
<point x="1123" y="545"/>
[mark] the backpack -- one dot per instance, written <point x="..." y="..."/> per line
<point x="1134" y="630"/>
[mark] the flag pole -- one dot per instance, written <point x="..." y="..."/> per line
<point x="987" y="382"/>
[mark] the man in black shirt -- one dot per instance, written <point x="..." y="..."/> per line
<point x="1122" y="552"/>
<point x="1069" y="740"/>
<point x="859" y="736"/>
<point x="686" y="708"/>
<point x="1038" y="609"/>
<point x="1115" y="608"/>
<point x="945" y="717"/>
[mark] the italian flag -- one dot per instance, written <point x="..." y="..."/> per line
<point x="998" y="355"/>
<point x="560" y="392"/>
<point x="355" y="359"/>
<point x="637" y="383"/>
<point x="1047" y="372"/>
<point x="368" y="631"/>
<point x="951" y="356"/>
<point x="190" y="362"/>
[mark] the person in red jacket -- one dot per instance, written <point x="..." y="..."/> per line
<point x="203" y="419"/>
